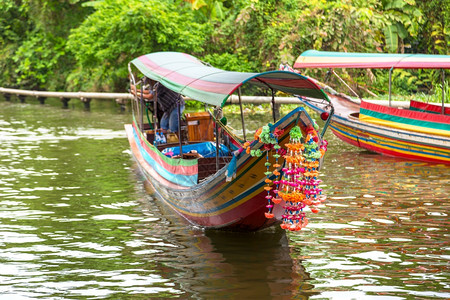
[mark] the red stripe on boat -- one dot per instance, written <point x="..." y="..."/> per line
<point x="429" y="107"/>
<point x="176" y="170"/>
<point x="405" y="113"/>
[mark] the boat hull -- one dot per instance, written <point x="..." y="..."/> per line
<point x="238" y="204"/>
<point x="383" y="139"/>
<point x="391" y="142"/>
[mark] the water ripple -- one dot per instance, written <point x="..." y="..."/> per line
<point x="75" y="223"/>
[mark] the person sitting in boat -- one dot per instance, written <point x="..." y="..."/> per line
<point x="167" y="102"/>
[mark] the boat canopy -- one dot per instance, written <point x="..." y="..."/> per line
<point x="191" y="77"/>
<point x="325" y="59"/>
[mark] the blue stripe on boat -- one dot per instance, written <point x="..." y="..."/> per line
<point x="407" y="150"/>
<point x="184" y="180"/>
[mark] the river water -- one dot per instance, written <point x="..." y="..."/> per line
<point x="76" y="223"/>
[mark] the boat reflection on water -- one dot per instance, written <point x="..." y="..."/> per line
<point x="216" y="264"/>
<point x="252" y="266"/>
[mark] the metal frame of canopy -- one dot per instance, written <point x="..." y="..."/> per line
<point x="327" y="59"/>
<point x="191" y="77"/>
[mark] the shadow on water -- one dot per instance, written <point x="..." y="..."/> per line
<point x="252" y="266"/>
<point x="217" y="264"/>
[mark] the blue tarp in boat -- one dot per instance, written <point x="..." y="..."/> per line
<point x="206" y="149"/>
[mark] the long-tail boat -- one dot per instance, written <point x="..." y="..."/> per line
<point x="419" y="132"/>
<point x="225" y="186"/>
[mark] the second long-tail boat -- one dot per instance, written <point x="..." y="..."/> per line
<point x="419" y="132"/>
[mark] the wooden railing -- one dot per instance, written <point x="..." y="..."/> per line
<point x="85" y="97"/>
<point x="121" y="98"/>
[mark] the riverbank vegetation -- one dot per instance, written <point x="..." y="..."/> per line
<point x="86" y="45"/>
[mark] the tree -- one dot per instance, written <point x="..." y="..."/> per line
<point x="33" y="36"/>
<point x="14" y="25"/>
<point x="89" y="48"/>
<point x="434" y="35"/>
<point x="403" y="20"/>
<point x="273" y="31"/>
<point x="120" y="30"/>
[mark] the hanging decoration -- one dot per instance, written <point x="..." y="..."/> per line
<point x="298" y="187"/>
<point x="270" y="140"/>
<point x="300" y="183"/>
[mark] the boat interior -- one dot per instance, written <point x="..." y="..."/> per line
<point x="205" y="135"/>
<point x="196" y="136"/>
<point x="197" y="141"/>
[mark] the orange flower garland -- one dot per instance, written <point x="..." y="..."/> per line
<point x="298" y="186"/>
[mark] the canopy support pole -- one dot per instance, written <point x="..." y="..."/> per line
<point x="327" y="123"/>
<point x="274" y="114"/>
<point x="242" y="113"/>
<point x="335" y="74"/>
<point x="132" y="88"/>
<point x="390" y="84"/>
<point x="179" y="129"/>
<point x="218" y="117"/>
<point x="141" y="106"/>
<point x="443" y="91"/>
<point x="327" y="75"/>
<point x="155" y="109"/>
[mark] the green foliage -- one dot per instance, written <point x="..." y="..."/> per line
<point x="55" y="17"/>
<point x="434" y="35"/>
<point x="14" y="25"/>
<point x="391" y="34"/>
<point x="13" y="22"/>
<point x="86" y="45"/>
<point x="33" y="38"/>
<point x="438" y="90"/>
<point x="424" y="85"/>
<point x="230" y="62"/>
<point x="192" y="105"/>
<point x="209" y="10"/>
<point x="120" y="30"/>
<point x="403" y="19"/>
<point x="349" y="25"/>
<point x="37" y="58"/>
<point x="278" y="31"/>
<point x="258" y="29"/>
<point x="441" y="91"/>
<point x="433" y="96"/>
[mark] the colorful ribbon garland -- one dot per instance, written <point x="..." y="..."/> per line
<point x="299" y="185"/>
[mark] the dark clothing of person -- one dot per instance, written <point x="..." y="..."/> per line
<point x="167" y="99"/>
<point x="167" y="102"/>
